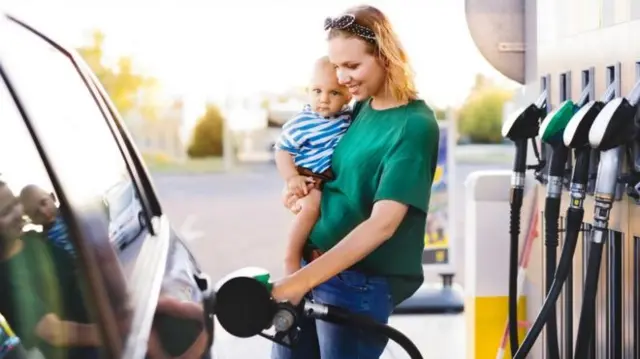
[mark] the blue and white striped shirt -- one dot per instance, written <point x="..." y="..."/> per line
<point x="311" y="138"/>
<point x="58" y="234"/>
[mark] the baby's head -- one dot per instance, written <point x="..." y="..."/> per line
<point x="39" y="205"/>
<point x="326" y="96"/>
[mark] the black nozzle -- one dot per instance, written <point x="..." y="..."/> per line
<point x="523" y="124"/>
<point x="576" y="134"/>
<point x="244" y="307"/>
<point x="614" y="125"/>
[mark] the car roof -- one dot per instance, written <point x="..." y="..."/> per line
<point x="36" y="20"/>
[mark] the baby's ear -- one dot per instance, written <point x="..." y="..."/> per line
<point x="53" y="197"/>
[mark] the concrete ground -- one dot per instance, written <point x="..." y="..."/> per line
<point x="242" y="223"/>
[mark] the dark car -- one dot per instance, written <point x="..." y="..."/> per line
<point x="66" y="290"/>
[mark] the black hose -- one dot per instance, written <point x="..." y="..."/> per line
<point x="341" y="316"/>
<point x="517" y="195"/>
<point x="586" y="325"/>
<point x="575" y="214"/>
<point x="574" y="224"/>
<point x="551" y="215"/>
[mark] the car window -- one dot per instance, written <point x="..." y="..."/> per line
<point x="82" y="146"/>
<point x="43" y="303"/>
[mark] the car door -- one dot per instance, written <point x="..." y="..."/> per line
<point x="90" y="153"/>
<point x="183" y="278"/>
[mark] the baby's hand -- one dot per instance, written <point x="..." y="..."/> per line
<point x="298" y="185"/>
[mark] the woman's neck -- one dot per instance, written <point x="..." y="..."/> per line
<point x="384" y="102"/>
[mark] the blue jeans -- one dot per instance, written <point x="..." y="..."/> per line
<point x="357" y="293"/>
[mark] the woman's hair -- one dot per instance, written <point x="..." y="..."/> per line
<point x="386" y="46"/>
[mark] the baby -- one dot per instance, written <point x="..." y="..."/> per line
<point x="41" y="208"/>
<point x="304" y="150"/>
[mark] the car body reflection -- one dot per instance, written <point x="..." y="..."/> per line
<point x="126" y="219"/>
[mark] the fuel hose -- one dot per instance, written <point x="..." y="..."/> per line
<point x="517" y="194"/>
<point x="575" y="214"/>
<point x="588" y="311"/>
<point x="551" y="216"/>
<point x="337" y="315"/>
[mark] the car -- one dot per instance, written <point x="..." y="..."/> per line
<point x="61" y="134"/>
<point x="126" y="218"/>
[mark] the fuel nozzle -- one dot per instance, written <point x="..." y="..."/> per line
<point x="525" y="122"/>
<point x="554" y="126"/>
<point x="614" y="125"/>
<point x="633" y="155"/>
<point x="245" y="308"/>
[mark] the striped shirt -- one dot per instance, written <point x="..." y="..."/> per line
<point x="311" y="138"/>
<point x="59" y="236"/>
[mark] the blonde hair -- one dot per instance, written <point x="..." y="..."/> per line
<point x="399" y="79"/>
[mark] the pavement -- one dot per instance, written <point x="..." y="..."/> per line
<point x="236" y="220"/>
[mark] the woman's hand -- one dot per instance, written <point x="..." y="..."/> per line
<point x="289" y="289"/>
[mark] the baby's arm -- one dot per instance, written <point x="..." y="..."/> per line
<point x="284" y="163"/>
<point x="288" y="144"/>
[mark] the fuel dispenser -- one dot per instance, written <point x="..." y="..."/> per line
<point x="521" y="127"/>
<point x="609" y="127"/>
<point x="612" y="130"/>
<point x="572" y="122"/>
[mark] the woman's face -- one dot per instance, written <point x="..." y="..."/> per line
<point x="361" y="72"/>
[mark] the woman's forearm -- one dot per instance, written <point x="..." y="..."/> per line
<point x="385" y="219"/>
<point x="362" y="240"/>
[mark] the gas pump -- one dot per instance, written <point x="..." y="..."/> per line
<point x="521" y="128"/>
<point x="551" y="133"/>
<point x="612" y="129"/>
<point x="575" y="136"/>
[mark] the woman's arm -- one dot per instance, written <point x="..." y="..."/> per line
<point x="65" y="333"/>
<point x="385" y="218"/>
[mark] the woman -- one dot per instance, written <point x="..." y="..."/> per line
<point x="365" y="251"/>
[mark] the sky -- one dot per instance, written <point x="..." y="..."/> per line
<point x="211" y="49"/>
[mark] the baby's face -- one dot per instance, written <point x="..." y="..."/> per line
<point x="40" y="207"/>
<point x="326" y="96"/>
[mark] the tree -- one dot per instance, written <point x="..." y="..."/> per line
<point x="206" y="140"/>
<point x="480" y="118"/>
<point x="122" y="84"/>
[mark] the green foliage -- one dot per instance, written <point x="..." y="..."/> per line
<point x="206" y="140"/>
<point x="480" y="118"/>
<point x="122" y="84"/>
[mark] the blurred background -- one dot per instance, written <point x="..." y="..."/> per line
<point x="204" y="86"/>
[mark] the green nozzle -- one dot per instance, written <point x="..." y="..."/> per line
<point x="259" y="274"/>
<point x="552" y="128"/>
<point x="264" y="279"/>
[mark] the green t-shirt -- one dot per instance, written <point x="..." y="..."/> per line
<point x="41" y="279"/>
<point x="385" y="155"/>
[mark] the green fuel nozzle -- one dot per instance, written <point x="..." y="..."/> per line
<point x="553" y="125"/>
